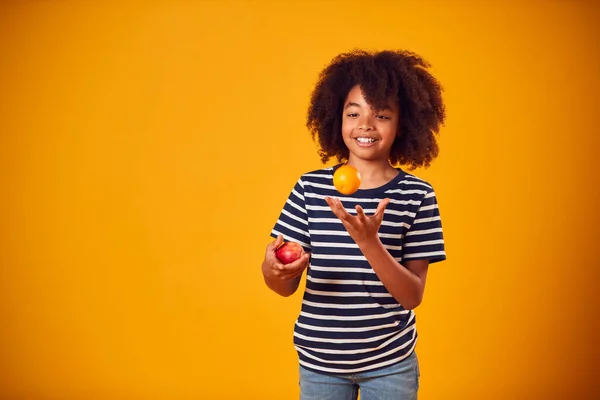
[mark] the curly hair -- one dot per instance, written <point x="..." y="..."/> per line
<point x="381" y="75"/>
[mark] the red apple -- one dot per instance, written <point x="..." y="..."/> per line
<point x="289" y="252"/>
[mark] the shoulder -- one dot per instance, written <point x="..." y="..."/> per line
<point x="321" y="176"/>
<point x="410" y="189"/>
<point x="411" y="181"/>
<point x="318" y="173"/>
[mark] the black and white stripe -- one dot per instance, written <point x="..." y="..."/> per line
<point x="348" y="321"/>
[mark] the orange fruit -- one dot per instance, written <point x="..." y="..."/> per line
<point x="346" y="179"/>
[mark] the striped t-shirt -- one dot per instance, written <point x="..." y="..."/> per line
<point x="348" y="321"/>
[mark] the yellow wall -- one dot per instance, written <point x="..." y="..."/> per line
<point x="146" y="150"/>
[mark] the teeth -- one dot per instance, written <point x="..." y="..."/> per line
<point x="365" y="140"/>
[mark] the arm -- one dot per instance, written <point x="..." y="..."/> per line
<point x="293" y="225"/>
<point x="282" y="279"/>
<point x="406" y="283"/>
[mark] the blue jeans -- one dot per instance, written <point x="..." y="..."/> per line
<point x="399" y="381"/>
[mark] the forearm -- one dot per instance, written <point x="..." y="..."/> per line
<point x="404" y="285"/>
<point x="282" y="287"/>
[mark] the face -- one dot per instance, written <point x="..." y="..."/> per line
<point x="368" y="134"/>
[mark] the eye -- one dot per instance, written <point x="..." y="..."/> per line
<point x="384" y="117"/>
<point x="352" y="115"/>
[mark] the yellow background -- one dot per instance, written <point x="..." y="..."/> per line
<point x="146" y="149"/>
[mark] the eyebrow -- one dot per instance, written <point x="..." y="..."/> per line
<point x="351" y="104"/>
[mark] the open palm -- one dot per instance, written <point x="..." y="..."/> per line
<point x="361" y="227"/>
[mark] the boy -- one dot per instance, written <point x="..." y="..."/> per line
<point x="370" y="251"/>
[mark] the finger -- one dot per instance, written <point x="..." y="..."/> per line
<point x="381" y="207"/>
<point x="329" y="201"/>
<point x="294" y="275"/>
<point x="300" y="263"/>
<point x="296" y="268"/>
<point x="278" y="241"/>
<point x="360" y="213"/>
<point x="297" y="265"/>
<point x="342" y="213"/>
<point x="333" y="204"/>
<point x="338" y="209"/>
<point x="277" y="266"/>
<point x="275" y="243"/>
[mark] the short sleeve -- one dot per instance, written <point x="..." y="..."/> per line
<point x="292" y="223"/>
<point x="425" y="239"/>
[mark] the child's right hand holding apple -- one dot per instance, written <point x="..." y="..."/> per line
<point x="284" y="277"/>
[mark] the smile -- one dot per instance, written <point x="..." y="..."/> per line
<point x="365" y="141"/>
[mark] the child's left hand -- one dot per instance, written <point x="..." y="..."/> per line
<point x="360" y="227"/>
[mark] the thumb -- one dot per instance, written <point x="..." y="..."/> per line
<point x="275" y="244"/>
<point x="381" y="208"/>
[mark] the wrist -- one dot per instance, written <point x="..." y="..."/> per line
<point x="369" y="243"/>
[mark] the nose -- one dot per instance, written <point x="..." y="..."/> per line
<point x="365" y="124"/>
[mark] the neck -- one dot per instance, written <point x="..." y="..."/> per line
<point x="373" y="173"/>
<point x="370" y="167"/>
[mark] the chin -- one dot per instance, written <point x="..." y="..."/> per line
<point x="366" y="154"/>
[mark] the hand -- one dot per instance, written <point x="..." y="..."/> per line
<point x="273" y="268"/>
<point x="360" y="227"/>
